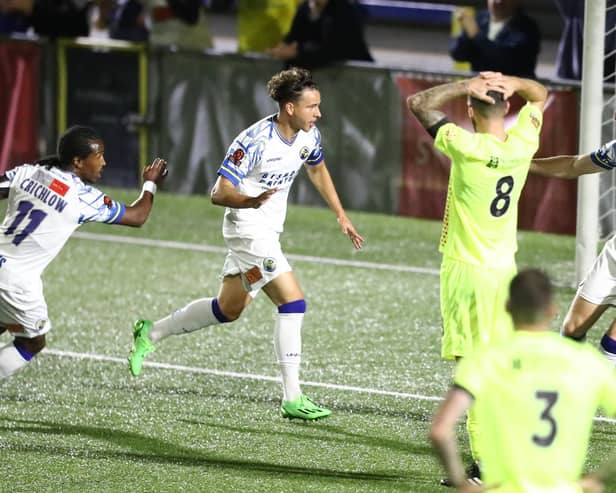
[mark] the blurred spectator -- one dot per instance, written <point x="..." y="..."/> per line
<point x="570" y="48"/>
<point x="502" y="38"/>
<point x="322" y="32"/>
<point x="261" y="24"/>
<point x="52" y="18"/>
<point x="163" y="22"/>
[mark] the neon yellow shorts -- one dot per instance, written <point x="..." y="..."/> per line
<point x="473" y="302"/>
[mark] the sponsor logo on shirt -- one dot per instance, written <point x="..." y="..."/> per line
<point x="277" y="179"/>
<point x="493" y="162"/>
<point x="59" y="187"/>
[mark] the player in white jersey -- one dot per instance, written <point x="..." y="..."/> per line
<point x="597" y="292"/>
<point x="47" y="201"/>
<point x="253" y="184"/>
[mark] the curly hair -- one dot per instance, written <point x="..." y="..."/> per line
<point x="288" y="85"/>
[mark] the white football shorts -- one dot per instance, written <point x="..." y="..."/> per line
<point x="259" y="261"/>
<point x="26" y="308"/>
<point x="599" y="285"/>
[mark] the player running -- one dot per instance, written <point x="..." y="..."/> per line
<point x="253" y="184"/>
<point x="47" y="201"/>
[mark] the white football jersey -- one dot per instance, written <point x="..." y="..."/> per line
<point x="45" y="206"/>
<point x="261" y="159"/>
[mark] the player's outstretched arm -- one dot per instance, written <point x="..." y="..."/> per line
<point x="138" y="212"/>
<point x="322" y="181"/>
<point x="565" y="166"/>
<point x="225" y="194"/>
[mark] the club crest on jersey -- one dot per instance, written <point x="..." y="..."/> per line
<point x="237" y="156"/>
<point x="40" y="324"/>
<point x="108" y="202"/>
<point x="303" y="152"/>
<point x="269" y="264"/>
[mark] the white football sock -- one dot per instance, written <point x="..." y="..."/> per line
<point x="194" y="316"/>
<point x="10" y="360"/>
<point x="288" y="348"/>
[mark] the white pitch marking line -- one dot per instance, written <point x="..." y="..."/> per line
<point x="252" y="376"/>
<point x="233" y="374"/>
<point x="197" y="247"/>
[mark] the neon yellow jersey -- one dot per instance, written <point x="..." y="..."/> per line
<point x="486" y="179"/>
<point x="535" y="398"/>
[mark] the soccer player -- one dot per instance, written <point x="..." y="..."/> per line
<point x="597" y="292"/>
<point x="47" y="201"/>
<point x="253" y="184"/>
<point x="478" y="241"/>
<point x="535" y="395"/>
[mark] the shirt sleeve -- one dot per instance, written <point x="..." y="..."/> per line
<point x="528" y="125"/>
<point x="453" y="140"/>
<point x="317" y="155"/>
<point x="605" y="156"/>
<point x="468" y="375"/>
<point x="95" y="206"/>
<point x="240" y="159"/>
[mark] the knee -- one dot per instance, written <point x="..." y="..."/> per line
<point x="573" y="328"/>
<point x="30" y="347"/>
<point x="226" y="312"/>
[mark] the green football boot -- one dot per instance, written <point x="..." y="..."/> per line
<point x="304" y="408"/>
<point x="141" y="345"/>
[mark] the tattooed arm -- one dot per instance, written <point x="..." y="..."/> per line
<point x="425" y="104"/>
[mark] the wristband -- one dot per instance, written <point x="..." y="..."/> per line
<point x="149" y="186"/>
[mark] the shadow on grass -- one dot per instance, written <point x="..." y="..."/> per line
<point x="326" y="433"/>
<point x="141" y="448"/>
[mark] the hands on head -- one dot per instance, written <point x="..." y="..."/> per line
<point x="479" y="86"/>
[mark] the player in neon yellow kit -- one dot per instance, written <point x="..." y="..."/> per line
<point x="478" y="241"/>
<point x="535" y="396"/>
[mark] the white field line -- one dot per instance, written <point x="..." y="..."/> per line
<point x="252" y="376"/>
<point x="233" y="374"/>
<point x="197" y="247"/>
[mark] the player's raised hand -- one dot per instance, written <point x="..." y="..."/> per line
<point x="156" y="171"/>
<point x="478" y="88"/>
<point x="349" y="230"/>
<point x="260" y="199"/>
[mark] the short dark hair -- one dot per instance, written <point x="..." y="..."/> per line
<point x="530" y="295"/>
<point x="486" y="109"/>
<point x="75" y="142"/>
<point x="288" y="85"/>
